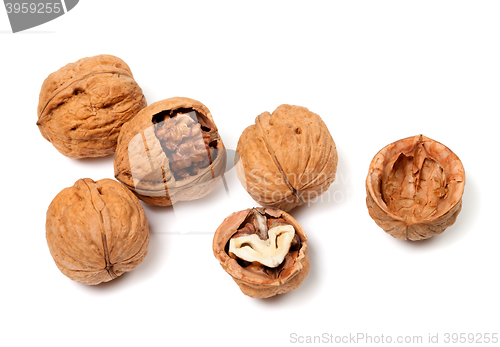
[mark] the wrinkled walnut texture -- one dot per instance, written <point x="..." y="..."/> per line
<point x="287" y="158"/>
<point x="83" y="105"/>
<point x="414" y="188"/>
<point x="96" y="231"/>
<point x="171" y="151"/>
<point x="254" y="279"/>
<point x="186" y="145"/>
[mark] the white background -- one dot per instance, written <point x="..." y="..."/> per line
<point x="375" y="71"/>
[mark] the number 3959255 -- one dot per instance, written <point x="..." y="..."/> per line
<point x="31" y="7"/>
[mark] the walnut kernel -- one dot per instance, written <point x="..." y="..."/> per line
<point x="171" y="151"/>
<point x="262" y="263"/>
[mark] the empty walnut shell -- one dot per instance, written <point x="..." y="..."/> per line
<point x="83" y="105"/>
<point x="171" y="151"/>
<point x="262" y="282"/>
<point x="287" y="158"/>
<point x="96" y="231"/>
<point x="414" y="188"/>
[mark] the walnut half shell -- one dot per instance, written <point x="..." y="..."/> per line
<point x="171" y="151"/>
<point x="414" y="188"/>
<point x="96" y="231"/>
<point x="286" y="158"/>
<point x="83" y="105"/>
<point x="255" y="279"/>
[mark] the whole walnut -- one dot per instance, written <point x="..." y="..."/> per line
<point x="171" y="151"/>
<point x="414" y="188"/>
<point x="96" y="231"/>
<point x="286" y="158"/>
<point x="264" y="250"/>
<point x="83" y="105"/>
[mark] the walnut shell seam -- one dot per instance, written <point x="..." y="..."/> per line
<point x="96" y="231"/>
<point x="286" y="158"/>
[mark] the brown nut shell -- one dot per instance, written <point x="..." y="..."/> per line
<point x="96" y="231"/>
<point x="145" y="155"/>
<point x="258" y="284"/>
<point x="286" y="158"/>
<point x="83" y="105"/>
<point x="414" y="188"/>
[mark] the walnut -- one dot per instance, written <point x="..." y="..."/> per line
<point x="171" y="151"/>
<point x="83" y="105"/>
<point x="287" y="158"/>
<point x="414" y="188"/>
<point x="264" y="250"/>
<point x="96" y="231"/>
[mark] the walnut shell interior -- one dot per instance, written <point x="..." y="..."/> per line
<point x="257" y="280"/>
<point x="286" y="158"/>
<point x="414" y="188"/>
<point x="171" y="151"/>
<point x="96" y="231"/>
<point x="83" y="105"/>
